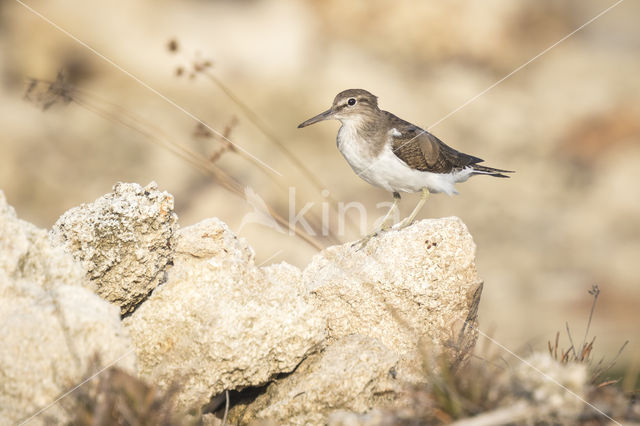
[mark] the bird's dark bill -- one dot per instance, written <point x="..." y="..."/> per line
<point x="320" y="117"/>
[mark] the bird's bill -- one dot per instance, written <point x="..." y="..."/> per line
<point x="320" y="117"/>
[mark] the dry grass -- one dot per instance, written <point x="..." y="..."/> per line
<point x="118" y="398"/>
<point x="461" y="389"/>
<point x="583" y="353"/>
<point x="484" y="385"/>
<point x="204" y="67"/>
<point x="46" y="94"/>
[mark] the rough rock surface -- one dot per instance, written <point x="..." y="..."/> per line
<point x="354" y="373"/>
<point x="51" y="326"/>
<point x="383" y="305"/>
<point x="219" y="322"/>
<point x="551" y="396"/>
<point x="344" y="336"/>
<point x="371" y="418"/>
<point x="26" y="254"/>
<point x="417" y="284"/>
<point x="124" y="240"/>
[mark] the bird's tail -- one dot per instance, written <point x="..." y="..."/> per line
<point x="484" y="170"/>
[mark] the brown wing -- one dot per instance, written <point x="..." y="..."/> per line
<point x="423" y="151"/>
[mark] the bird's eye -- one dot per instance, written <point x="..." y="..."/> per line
<point x="351" y="101"/>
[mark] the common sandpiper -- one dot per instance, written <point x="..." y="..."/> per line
<point x="396" y="155"/>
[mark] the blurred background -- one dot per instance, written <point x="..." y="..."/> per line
<point x="568" y="123"/>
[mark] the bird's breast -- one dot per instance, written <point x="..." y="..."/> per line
<point x="356" y="150"/>
<point x="379" y="166"/>
<point x="363" y="156"/>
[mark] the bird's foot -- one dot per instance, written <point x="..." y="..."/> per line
<point x="363" y="242"/>
<point x="402" y="224"/>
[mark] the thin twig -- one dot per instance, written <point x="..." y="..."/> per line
<point x="253" y="117"/>
<point x="612" y="363"/>
<point x="202" y="67"/>
<point x="201" y="163"/>
<point x="595" y="292"/>
<point x="571" y="341"/>
<point x="226" y="408"/>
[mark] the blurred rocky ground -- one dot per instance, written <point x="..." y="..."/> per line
<point x="568" y="123"/>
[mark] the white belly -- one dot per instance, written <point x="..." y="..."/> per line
<point x="389" y="172"/>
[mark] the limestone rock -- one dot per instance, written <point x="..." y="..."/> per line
<point x="219" y="322"/>
<point x="372" y="418"/>
<point x="124" y="240"/>
<point x="552" y="396"/>
<point x="415" y="285"/>
<point x="354" y="373"/>
<point x="51" y="326"/>
<point x="26" y="254"/>
<point x="405" y="291"/>
<point x="335" y="343"/>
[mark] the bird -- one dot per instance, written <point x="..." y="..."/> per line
<point x="396" y="155"/>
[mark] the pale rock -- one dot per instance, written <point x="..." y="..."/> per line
<point x="123" y="239"/>
<point x="406" y="295"/>
<point x="210" y="419"/>
<point x="415" y="285"/>
<point x="53" y="328"/>
<point x="220" y="322"/>
<point x="540" y="389"/>
<point x="371" y="418"/>
<point x="559" y="389"/>
<point x="336" y="343"/>
<point x="27" y="254"/>
<point x="355" y="373"/>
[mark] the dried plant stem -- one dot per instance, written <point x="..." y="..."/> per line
<point x="226" y="408"/>
<point x="135" y="122"/>
<point x="195" y="159"/>
<point x="611" y="364"/>
<point x="595" y="292"/>
<point x="572" y="348"/>
<point x="263" y="128"/>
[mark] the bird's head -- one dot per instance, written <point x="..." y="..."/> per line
<point x="351" y="104"/>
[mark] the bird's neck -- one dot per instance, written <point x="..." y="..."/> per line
<point x="367" y="126"/>
<point x="364" y="132"/>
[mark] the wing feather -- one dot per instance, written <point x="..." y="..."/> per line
<point x="423" y="151"/>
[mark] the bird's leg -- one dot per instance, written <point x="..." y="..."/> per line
<point x="409" y="220"/>
<point x="396" y="200"/>
<point x="363" y="242"/>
